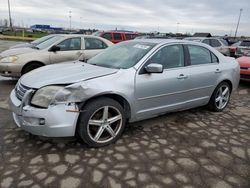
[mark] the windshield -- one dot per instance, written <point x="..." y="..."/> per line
<point x="97" y="33"/>
<point x="123" y="55"/>
<point x="48" y="42"/>
<point x="42" y="39"/>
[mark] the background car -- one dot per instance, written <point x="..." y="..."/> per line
<point x="244" y="62"/>
<point x="242" y="48"/>
<point x="33" y="43"/>
<point x="60" y="48"/>
<point x="128" y="82"/>
<point x="116" y="36"/>
<point x="219" y="44"/>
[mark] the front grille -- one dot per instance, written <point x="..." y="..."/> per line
<point x="20" y="91"/>
<point x="245" y="76"/>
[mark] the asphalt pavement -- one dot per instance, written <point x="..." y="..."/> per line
<point x="193" y="148"/>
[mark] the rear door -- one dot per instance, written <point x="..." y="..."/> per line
<point x="92" y="46"/>
<point x="70" y="50"/>
<point x="117" y="37"/>
<point x="204" y="72"/>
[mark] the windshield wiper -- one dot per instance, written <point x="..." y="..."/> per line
<point x="35" y="47"/>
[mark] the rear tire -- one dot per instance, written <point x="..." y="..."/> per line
<point x="220" y="98"/>
<point x="31" y="67"/>
<point x="101" y="123"/>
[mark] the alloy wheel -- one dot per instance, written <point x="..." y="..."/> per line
<point x="222" y="97"/>
<point x="104" y="124"/>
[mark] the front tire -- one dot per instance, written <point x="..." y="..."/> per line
<point x="220" y="98"/>
<point x="101" y="123"/>
<point x="31" y="67"/>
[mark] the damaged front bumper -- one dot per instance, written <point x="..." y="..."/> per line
<point x="54" y="121"/>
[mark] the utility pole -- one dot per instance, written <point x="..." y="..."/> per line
<point x="11" y="28"/>
<point x="70" y="20"/>
<point x="178" y="24"/>
<point x="238" y="23"/>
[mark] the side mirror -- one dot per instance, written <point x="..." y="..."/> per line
<point x="54" y="48"/>
<point x="154" y="68"/>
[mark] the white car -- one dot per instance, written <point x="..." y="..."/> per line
<point x="219" y="44"/>
<point x="58" y="49"/>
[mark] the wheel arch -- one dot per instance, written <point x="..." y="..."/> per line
<point x="31" y="62"/>
<point x="120" y="99"/>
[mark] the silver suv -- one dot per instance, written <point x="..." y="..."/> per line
<point x="128" y="82"/>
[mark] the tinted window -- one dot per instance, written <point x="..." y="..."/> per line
<point x="206" y="41"/>
<point x="130" y="36"/>
<point x="169" y="56"/>
<point x="199" y="55"/>
<point x="70" y="44"/>
<point x="245" y="43"/>
<point x="117" y="36"/>
<point x="107" y="36"/>
<point x="92" y="43"/>
<point x="215" y="43"/>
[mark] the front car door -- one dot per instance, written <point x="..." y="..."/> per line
<point x="70" y="50"/>
<point x="158" y="93"/>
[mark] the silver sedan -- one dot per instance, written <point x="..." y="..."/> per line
<point x="128" y="82"/>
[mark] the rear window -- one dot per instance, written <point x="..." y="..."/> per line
<point x="245" y="43"/>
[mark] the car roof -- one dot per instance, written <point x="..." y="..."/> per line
<point x="164" y="41"/>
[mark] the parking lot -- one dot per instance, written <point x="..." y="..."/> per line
<point x="193" y="148"/>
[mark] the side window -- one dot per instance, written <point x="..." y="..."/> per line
<point x="206" y="41"/>
<point x="107" y="36"/>
<point x="169" y="56"/>
<point x="214" y="58"/>
<point x="128" y="36"/>
<point x="215" y="43"/>
<point x="93" y="43"/>
<point x="199" y="55"/>
<point x="117" y="36"/>
<point x="70" y="44"/>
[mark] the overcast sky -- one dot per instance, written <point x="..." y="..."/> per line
<point x="216" y="16"/>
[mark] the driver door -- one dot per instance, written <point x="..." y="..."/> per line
<point x="158" y="93"/>
<point x="70" y="50"/>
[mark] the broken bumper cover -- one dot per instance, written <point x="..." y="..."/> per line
<point x="53" y="121"/>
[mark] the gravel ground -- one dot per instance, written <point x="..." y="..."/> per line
<point x="193" y="148"/>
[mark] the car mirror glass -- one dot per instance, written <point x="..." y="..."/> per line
<point x="55" y="48"/>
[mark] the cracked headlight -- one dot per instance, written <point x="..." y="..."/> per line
<point x="44" y="96"/>
<point x="9" y="59"/>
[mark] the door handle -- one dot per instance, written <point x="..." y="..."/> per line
<point x="182" y="76"/>
<point x="217" y="71"/>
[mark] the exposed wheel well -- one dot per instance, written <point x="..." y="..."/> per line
<point x="230" y="84"/>
<point x="29" y="63"/>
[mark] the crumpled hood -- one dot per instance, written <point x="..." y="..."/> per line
<point x="63" y="73"/>
<point x="16" y="51"/>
